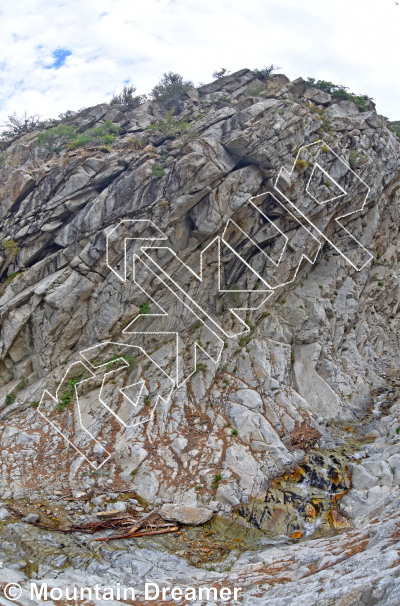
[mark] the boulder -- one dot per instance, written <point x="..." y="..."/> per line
<point x="297" y="87"/>
<point x="179" y="444"/>
<point x="4" y="514"/>
<point x="31" y="518"/>
<point x="361" y="479"/>
<point x="317" y="96"/>
<point x="192" y="516"/>
<point x="249" y="398"/>
<point x="343" y="109"/>
<point x="226" y="495"/>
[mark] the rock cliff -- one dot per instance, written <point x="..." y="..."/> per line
<point x="189" y="310"/>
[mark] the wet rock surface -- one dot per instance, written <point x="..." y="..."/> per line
<point x="302" y="500"/>
<point x="358" y="560"/>
<point x="332" y="487"/>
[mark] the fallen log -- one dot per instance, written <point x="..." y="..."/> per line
<point x="148" y="525"/>
<point x="135" y="534"/>
<point x="108" y="514"/>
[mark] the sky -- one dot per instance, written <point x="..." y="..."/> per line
<point x="65" y="55"/>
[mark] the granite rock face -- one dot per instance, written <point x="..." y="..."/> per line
<point x="316" y="346"/>
<point x="321" y="327"/>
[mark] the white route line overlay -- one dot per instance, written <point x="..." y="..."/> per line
<point x="93" y="375"/>
<point x="277" y="263"/>
<point x="127" y="330"/>
<point x="283" y="171"/>
<point x="199" y="277"/>
<point x="161" y="236"/>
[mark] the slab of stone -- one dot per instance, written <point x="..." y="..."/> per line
<point x="192" y="516"/>
<point x="317" y="96"/>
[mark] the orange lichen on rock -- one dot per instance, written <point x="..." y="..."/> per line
<point x="337" y="520"/>
<point x="310" y="510"/>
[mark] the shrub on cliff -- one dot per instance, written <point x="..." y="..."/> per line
<point x="171" y="91"/>
<point x="126" y="99"/>
<point x="54" y="139"/>
<point x="220" y="73"/>
<point x="101" y="135"/>
<point x="10" y="248"/>
<point x="19" y="125"/>
<point x="171" y="126"/>
<point x="266" y="72"/>
<point x="395" y="127"/>
<point x="337" y="91"/>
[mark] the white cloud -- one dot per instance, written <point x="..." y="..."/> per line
<point x="112" y="41"/>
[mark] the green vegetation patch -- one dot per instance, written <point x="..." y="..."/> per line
<point x="55" y="139"/>
<point x="67" y="396"/>
<point x="338" y="91"/>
